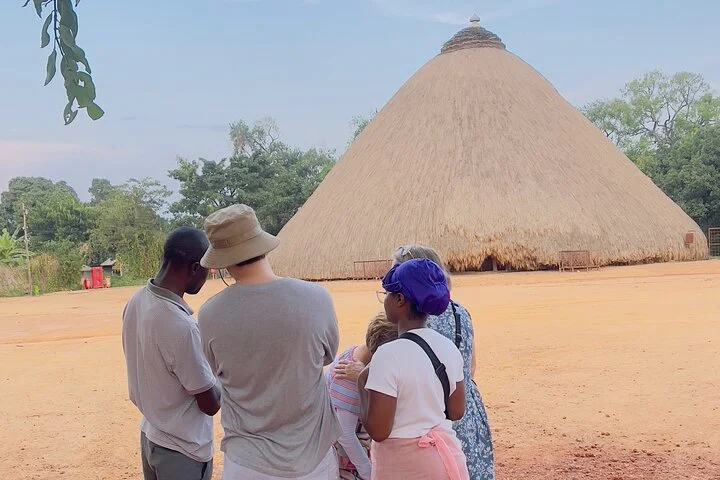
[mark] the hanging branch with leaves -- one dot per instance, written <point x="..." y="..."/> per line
<point x="60" y="29"/>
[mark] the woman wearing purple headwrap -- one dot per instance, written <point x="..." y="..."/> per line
<point x="456" y="325"/>
<point x="414" y="386"/>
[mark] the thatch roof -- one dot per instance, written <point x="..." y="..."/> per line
<point x="108" y="263"/>
<point x="478" y="156"/>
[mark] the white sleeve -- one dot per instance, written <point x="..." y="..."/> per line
<point x="383" y="376"/>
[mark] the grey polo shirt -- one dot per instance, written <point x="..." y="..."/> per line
<point x="166" y="367"/>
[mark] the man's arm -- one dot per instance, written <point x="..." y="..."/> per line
<point x="194" y="373"/>
<point x="209" y="401"/>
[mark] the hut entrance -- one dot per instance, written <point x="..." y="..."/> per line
<point x="490" y="264"/>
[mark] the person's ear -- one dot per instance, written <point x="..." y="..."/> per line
<point x="400" y="300"/>
<point x="194" y="267"/>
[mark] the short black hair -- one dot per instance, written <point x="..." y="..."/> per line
<point x="184" y="246"/>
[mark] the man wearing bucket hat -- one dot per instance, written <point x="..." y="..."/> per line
<point x="267" y="339"/>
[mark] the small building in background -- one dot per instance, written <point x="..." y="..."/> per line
<point x="93" y="277"/>
<point x="109" y="268"/>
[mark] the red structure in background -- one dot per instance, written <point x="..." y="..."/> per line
<point x="93" y="277"/>
<point x="96" y="275"/>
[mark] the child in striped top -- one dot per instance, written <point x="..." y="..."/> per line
<point x="344" y="394"/>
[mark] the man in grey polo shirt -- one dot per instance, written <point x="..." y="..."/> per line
<point x="169" y="379"/>
<point x="267" y="339"/>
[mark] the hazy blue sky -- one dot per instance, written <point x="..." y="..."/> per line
<point x="172" y="75"/>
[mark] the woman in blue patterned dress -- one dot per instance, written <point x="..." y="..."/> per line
<point x="473" y="429"/>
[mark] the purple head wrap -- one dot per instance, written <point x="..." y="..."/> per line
<point x="422" y="282"/>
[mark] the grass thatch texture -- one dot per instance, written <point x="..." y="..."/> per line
<point x="478" y="155"/>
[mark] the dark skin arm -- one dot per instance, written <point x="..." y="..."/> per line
<point x="209" y="401"/>
<point x="377" y="410"/>
<point x="456" y="402"/>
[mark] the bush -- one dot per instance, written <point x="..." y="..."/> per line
<point x="13" y="281"/>
<point x="44" y="268"/>
<point x="65" y="275"/>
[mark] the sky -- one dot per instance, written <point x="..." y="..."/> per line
<point x="172" y="75"/>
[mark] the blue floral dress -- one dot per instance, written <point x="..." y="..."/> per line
<point x="473" y="429"/>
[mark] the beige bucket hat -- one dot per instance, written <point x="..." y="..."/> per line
<point x="235" y="236"/>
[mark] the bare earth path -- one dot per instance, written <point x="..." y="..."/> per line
<point x="603" y="375"/>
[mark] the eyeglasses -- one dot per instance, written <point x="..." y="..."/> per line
<point x="381" y="296"/>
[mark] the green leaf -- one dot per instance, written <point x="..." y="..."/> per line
<point x="38" y="7"/>
<point x="51" y="67"/>
<point x="68" y="67"/>
<point x="74" y="52"/>
<point x="66" y="36"/>
<point x="94" y="111"/>
<point x="68" y="17"/>
<point x="88" y="86"/>
<point x="80" y="54"/>
<point x="45" y="36"/>
<point x="69" y="114"/>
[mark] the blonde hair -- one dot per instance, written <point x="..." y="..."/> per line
<point x="412" y="251"/>
<point x="379" y="332"/>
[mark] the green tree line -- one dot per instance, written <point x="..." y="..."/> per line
<point x="128" y="222"/>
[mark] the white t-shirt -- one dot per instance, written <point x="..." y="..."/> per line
<point x="401" y="369"/>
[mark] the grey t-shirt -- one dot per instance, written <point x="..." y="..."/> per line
<point x="268" y="344"/>
<point x="166" y="368"/>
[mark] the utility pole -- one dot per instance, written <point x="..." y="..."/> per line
<point x="27" y="251"/>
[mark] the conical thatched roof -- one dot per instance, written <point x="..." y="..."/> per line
<point x="478" y="156"/>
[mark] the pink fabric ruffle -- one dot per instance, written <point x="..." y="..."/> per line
<point x="435" y="456"/>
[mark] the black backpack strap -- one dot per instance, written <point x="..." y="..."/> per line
<point x="438" y="366"/>
<point x="458" y="328"/>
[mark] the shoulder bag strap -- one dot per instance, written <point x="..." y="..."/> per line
<point x="438" y="366"/>
<point x="458" y="329"/>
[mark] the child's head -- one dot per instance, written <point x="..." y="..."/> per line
<point x="379" y="331"/>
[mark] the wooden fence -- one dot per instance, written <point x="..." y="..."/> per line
<point x="371" y="269"/>
<point x="714" y="241"/>
<point x="575" y="260"/>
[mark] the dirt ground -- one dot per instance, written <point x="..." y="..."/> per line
<point x="613" y="374"/>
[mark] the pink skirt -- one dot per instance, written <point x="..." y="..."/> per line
<point x="435" y="456"/>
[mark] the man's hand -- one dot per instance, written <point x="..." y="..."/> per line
<point x="349" y="370"/>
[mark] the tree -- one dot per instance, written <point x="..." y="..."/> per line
<point x="358" y="124"/>
<point x="668" y="126"/>
<point x="60" y="30"/>
<point x="100" y="189"/>
<point x="688" y="171"/>
<point x="11" y="250"/>
<point x="31" y="192"/>
<point x="263" y="172"/>
<point x="655" y="110"/>
<point x="126" y="225"/>
<point x="61" y="216"/>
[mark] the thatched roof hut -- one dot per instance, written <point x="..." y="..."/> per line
<point x="478" y="156"/>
